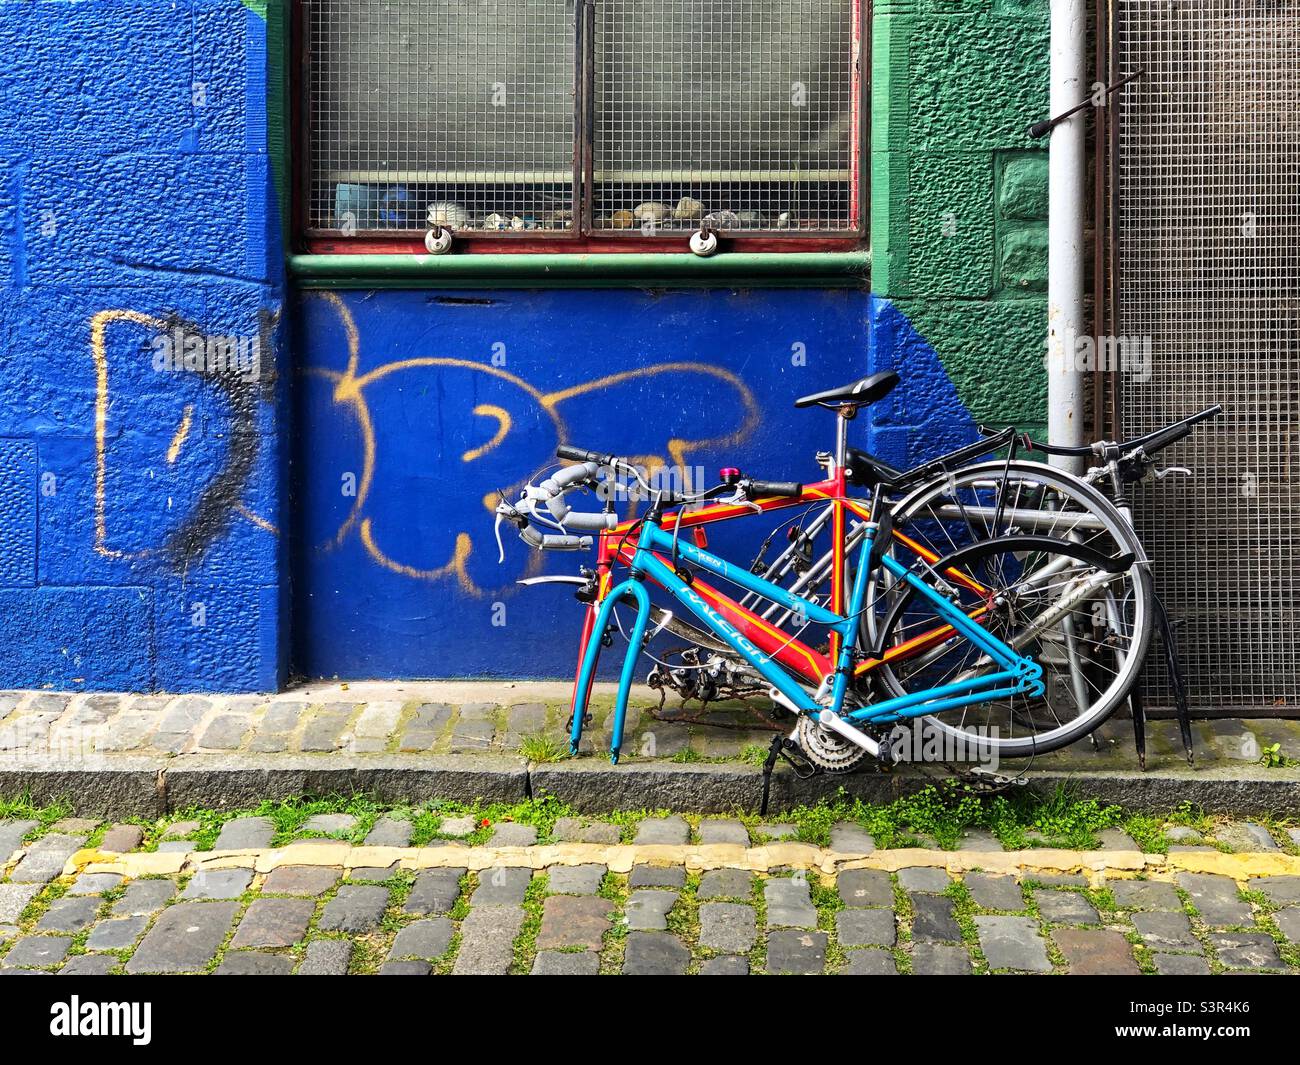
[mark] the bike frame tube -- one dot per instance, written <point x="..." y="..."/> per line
<point x="586" y="672"/>
<point x="812" y="665"/>
<point x="806" y="662"/>
<point x="654" y="537"/>
<point x="1019" y="674"/>
<point x="766" y="667"/>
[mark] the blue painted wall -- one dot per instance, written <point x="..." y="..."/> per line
<point x="396" y="570"/>
<point x="151" y="532"/>
<point x="138" y="504"/>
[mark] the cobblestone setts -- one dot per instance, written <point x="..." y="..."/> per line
<point x="48" y="724"/>
<point x="584" y="919"/>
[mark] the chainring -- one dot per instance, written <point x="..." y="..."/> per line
<point x="827" y="750"/>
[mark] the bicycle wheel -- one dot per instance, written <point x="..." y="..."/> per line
<point x="991" y="499"/>
<point x="1087" y="624"/>
<point x="1000" y="498"/>
<point x="977" y="503"/>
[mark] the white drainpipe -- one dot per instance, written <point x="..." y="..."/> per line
<point x="1067" y="164"/>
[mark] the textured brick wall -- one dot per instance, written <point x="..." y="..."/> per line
<point x="959" y="207"/>
<point x="138" y="503"/>
<point x="141" y="506"/>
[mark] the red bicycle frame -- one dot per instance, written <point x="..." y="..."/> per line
<point x="616" y="545"/>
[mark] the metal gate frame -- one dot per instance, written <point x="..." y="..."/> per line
<point x="1264" y="649"/>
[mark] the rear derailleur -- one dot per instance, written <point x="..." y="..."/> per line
<point x="705" y="679"/>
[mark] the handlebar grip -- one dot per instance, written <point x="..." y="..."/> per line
<point x="552" y="542"/>
<point x="1158" y="441"/>
<point x="1171" y="434"/>
<point x="775" y="488"/>
<point x="577" y="454"/>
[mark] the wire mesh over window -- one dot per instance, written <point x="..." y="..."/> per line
<point x="440" y="111"/>
<point x="735" y="113"/>
<point x="1209" y="275"/>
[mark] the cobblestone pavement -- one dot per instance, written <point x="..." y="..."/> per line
<point x="662" y="896"/>
<point x="457" y="718"/>
<point x="143" y="755"/>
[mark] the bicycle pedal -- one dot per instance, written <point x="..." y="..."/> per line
<point x="798" y="762"/>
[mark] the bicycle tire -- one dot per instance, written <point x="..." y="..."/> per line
<point x="1084" y="722"/>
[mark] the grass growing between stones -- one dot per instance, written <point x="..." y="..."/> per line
<point x="1264" y="909"/>
<point x="628" y="820"/>
<point x="367" y="955"/>
<point x="1148" y="833"/>
<point x="1054" y="954"/>
<point x="943" y="812"/>
<point x="244" y="901"/>
<point x="827" y="902"/>
<point x="1200" y="930"/>
<point x="963" y="912"/>
<point x="209" y="824"/>
<point x="938" y="815"/>
<point x="458" y="912"/>
<point x="289" y="815"/>
<point x="543" y="748"/>
<point x="613" y="886"/>
<point x="525" y="947"/>
<point x="23" y="808"/>
<point x="683" y="919"/>
<point x="903" y="915"/>
<point x="541" y="813"/>
<point x="758" y="952"/>
<point x="399" y="890"/>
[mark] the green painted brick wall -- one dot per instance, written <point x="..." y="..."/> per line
<point x="959" y="193"/>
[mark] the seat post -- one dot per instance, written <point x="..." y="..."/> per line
<point x="844" y="415"/>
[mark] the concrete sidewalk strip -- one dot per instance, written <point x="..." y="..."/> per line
<point x="129" y="755"/>
<point x="585" y="908"/>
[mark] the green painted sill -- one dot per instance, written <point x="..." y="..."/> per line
<point x="751" y="269"/>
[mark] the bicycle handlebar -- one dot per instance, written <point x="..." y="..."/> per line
<point x="1149" y="444"/>
<point x="1171" y="434"/>
<point x="772" y="488"/>
<point x="577" y="454"/>
<point x="586" y="470"/>
<point x="554" y="541"/>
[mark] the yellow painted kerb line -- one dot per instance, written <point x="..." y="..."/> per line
<point x="621" y="858"/>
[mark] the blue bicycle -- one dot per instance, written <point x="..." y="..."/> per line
<point x="972" y="628"/>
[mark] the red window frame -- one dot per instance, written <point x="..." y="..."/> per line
<point x="583" y="238"/>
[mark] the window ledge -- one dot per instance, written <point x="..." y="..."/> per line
<point x="756" y="269"/>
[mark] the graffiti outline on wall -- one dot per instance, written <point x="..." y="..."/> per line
<point x="349" y="391"/>
<point x="223" y="495"/>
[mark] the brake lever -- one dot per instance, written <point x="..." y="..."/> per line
<point x="740" y="499"/>
<point x="501" y="548"/>
<point x="1160" y="473"/>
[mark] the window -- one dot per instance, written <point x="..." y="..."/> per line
<point x="601" y="121"/>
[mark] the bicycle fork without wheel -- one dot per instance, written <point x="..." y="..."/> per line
<point x="1013" y="673"/>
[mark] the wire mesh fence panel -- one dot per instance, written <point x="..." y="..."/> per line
<point x="1209" y="285"/>
<point x="431" y="111"/>
<point x="733" y="113"/>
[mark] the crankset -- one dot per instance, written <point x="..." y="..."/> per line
<point x="827" y="749"/>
